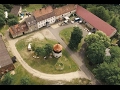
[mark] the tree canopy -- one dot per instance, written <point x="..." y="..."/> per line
<point x="115" y="52"/>
<point x="101" y="12"/>
<point x="95" y="53"/>
<point x="43" y="51"/>
<point x="12" y="22"/>
<point x="99" y="36"/>
<point x="75" y="38"/>
<point x="7" y="80"/>
<point x="108" y="73"/>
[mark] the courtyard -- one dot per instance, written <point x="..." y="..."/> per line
<point x="83" y="73"/>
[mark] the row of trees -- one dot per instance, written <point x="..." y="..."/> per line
<point x="43" y="51"/>
<point x="54" y="5"/>
<point x="8" y="79"/>
<point x="108" y="67"/>
<point x="109" y="71"/>
<point x="96" y="45"/>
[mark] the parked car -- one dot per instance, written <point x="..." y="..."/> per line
<point x="80" y="21"/>
<point x="77" y="19"/>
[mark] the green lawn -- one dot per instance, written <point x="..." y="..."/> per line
<point x="20" y="72"/>
<point x="4" y="29"/>
<point x="114" y="40"/>
<point x="65" y="34"/>
<point x="48" y="65"/>
<point x="32" y="7"/>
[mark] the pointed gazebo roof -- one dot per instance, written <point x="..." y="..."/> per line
<point x="57" y="47"/>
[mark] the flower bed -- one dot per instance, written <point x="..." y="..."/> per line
<point x="59" y="66"/>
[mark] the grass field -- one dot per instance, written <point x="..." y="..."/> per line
<point x="3" y="29"/>
<point x="32" y="7"/>
<point x="48" y="65"/>
<point x="20" y="73"/>
<point x="65" y="34"/>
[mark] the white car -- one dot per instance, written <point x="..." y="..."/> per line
<point x="80" y="21"/>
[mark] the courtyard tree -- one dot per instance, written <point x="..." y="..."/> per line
<point x="109" y="73"/>
<point x="39" y="51"/>
<point x="75" y="38"/>
<point x="48" y="49"/>
<point x="7" y="79"/>
<point x="98" y="36"/>
<point x="115" y="52"/>
<point x="95" y="53"/>
<point x="89" y="39"/>
<point x="104" y="38"/>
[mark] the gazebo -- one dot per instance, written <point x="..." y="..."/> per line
<point x="57" y="50"/>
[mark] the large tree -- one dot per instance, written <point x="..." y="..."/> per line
<point x="114" y="22"/>
<point x="48" y="49"/>
<point x="95" y="53"/>
<point x="7" y="80"/>
<point x="98" y="36"/>
<point x="101" y="12"/>
<point x="108" y="73"/>
<point x="39" y="51"/>
<point x="12" y="22"/>
<point x="2" y="22"/>
<point x="115" y="52"/>
<point x="75" y="38"/>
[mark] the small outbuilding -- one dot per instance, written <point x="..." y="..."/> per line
<point x="57" y="50"/>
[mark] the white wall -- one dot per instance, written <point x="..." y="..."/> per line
<point x="57" y="55"/>
<point x="66" y="14"/>
<point x="42" y="23"/>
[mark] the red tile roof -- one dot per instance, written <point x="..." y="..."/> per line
<point x="18" y="28"/>
<point x="95" y="21"/>
<point x="64" y="9"/>
<point x="43" y="13"/>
